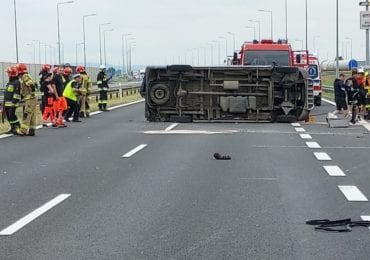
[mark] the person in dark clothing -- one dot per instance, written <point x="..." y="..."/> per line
<point x="340" y="95"/>
<point x="102" y="80"/>
<point x="60" y="103"/>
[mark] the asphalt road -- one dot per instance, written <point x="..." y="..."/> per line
<point x="172" y="200"/>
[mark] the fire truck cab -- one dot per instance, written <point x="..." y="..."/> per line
<point x="280" y="53"/>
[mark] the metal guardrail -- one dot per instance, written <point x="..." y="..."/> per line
<point x="119" y="91"/>
<point x="328" y="88"/>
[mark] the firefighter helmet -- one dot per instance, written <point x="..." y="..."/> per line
<point x="67" y="71"/>
<point x="102" y="67"/>
<point x="12" y="71"/>
<point x="46" y="67"/>
<point x="80" y="69"/>
<point x="22" y="68"/>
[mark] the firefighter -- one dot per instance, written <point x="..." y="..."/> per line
<point x="12" y="97"/>
<point x="85" y="91"/>
<point x="45" y="69"/>
<point x="102" y="81"/>
<point x="50" y="96"/>
<point x="28" y="92"/>
<point x="71" y="91"/>
<point x="60" y="103"/>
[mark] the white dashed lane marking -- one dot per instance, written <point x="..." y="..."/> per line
<point x="313" y="145"/>
<point x="296" y="124"/>
<point x="365" y="218"/>
<point x="300" y="129"/>
<point x="33" y="215"/>
<point x="334" y="171"/>
<point x="352" y="193"/>
<point x="305" y="136"/>
<point x="133" y="151"/>
<point x="322" y="156"/>
<point x="171" y="127"/>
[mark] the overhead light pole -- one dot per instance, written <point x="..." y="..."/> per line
<point x="301" y="41"/>
<point x="39" y="49"/>
<point x="269" y="11"/>
<point x="127" y="41"/>
<point x="34" y="51"/>
<point x="100" y="53"/>
<point x="218" y="51"/>
<point x="306" y="26"/>
<point x="84" y="34"/>
<point x="123" y="51"/>
<point x="233" y="34"/>
<point x="259" y="28"/>
<point x="225" y="38"/>
<point x="210" y="44"/>
<point x="314" y="42"/>
<point x="16" y="31"/>
<point x="337" y="42"/>
<point x="58" y="4"/>
<point x="78" y="44"/>
<point x="105" y="49"/>
<point x="350" y="39"/>
<point x="254" y="31"/>
<point x="286" y="20"/>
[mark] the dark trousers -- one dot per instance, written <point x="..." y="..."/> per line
<point x="10" y="115"/>
<point x="74" y="109"/>
<point x="103" y="100"/>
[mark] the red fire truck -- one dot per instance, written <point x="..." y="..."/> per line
<point x="268" y="52"/>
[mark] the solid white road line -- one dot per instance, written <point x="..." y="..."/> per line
<point x="352" y="193"/>
<point x="300" y="129"/>
<point x="133" y="151"/>
<point x="5" y="136"/>
<point x="296" y="124"/>
<point x="365" y="218"/>
<point x="171" y="127"/>
<point x="125" y="105"/>
<point x="313" y="145"/>
<point x="334" y="171"/>
<point x="328" y="101"/>
<point x="33" y="215"/>
<point x="322" y="156"/>
<point x="188" y="132"/>
<point x="95" y="113"/>
<point x="305" y="136"/>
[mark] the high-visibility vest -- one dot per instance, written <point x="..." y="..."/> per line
<point x="69" y="92"/>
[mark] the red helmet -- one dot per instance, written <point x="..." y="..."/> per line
<point x="22" y="68"/>
<point x="46" y="67"/>
<point x="12" y="71"/>
<point x="67" y="71"/>
<point x="55" y="69"/>
<point x="80" y="69"/>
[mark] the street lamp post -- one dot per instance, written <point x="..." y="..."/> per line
<point x="254" y="31"/>
<point x="350" y="39"/>
<point x="218" y="51"/>
<point x="127" y="41"/>
<point x="259" y="28"/>
<point x="84" y="34"/>
<point x="34" y="51"/>
<point x="39" y="49"/>
<point x="306" y="26"/>
<point x="299" y="40"/>
<point x="77" y="44"/>
<point x="269" y="11"/>
<point x="105" y="49"/>
<point x="233" y="34"/>
<point x="286" y="20"/>
<point x="225" y="38"/>
<point x="123" y="51"/>
<point x="337" y="42"/>
<point x="314" y="42"/>
<point x="210" y="44"/>
<point x="58" y="4"/>
<point x="16" y="30"/>
<point x="100" y="53"/>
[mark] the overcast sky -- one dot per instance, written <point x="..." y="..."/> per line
<point x="168" y="30"/>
